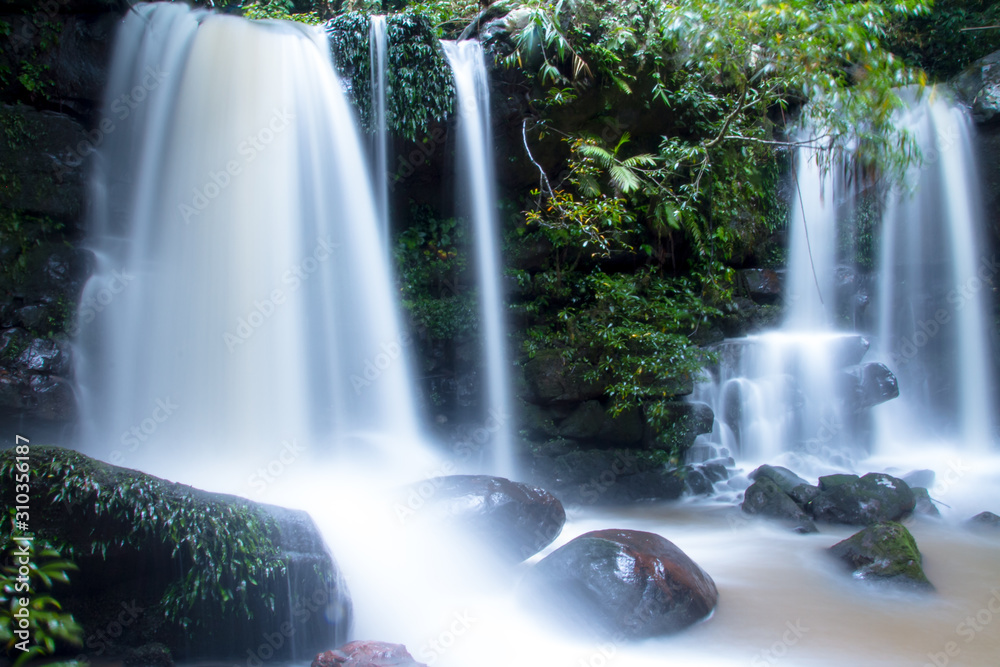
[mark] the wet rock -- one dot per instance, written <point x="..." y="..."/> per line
<point x="883" y="552"/>
<point x="367" y="654"/>
<point x="45" y="356"/>
<point x="605" y="477"/>
<point x="925" y="505"/>
<point x="685" y="422"/>
<point x="984" y="521"/>
<point x="551" y="379"/>
<point x="515" y="520"/>
<point x="863" y="501"/>
<point x="869" y="385"/>
<point x="696" y="482"/>
<point x="590" y="422"/>
<point x="783" y="477"/>
<point x="803" y="494"/>
<point x="630" y="582"/>
<point x="979" y="86"/>
<point x="761" y="285"/>
<point x="765" y="498"/>
<point x="849" y="350"/>
<point x="149" y="655"/>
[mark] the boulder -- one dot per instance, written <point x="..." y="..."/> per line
<point x="765" y="498"/>
<point x="979" y="87"/>
<point x="984" y="521"/>
<point x="514" y="520"/>
<point x="883" y="552"/>
<point x="551" y="379"/>
<point x="367" y="654"/>
<point x="783" y="477"/>
<point x="605" y="476"/>
<point x="590" y="422"/>
<point x="867" y="385"/>
<point x="684" y="421"/>
<point x="863" y="501"/>
<point x="761" y="285"/>
<point x="206" y="575"/>
<point x="630" y="582"/>
<point x="924" y="478"/>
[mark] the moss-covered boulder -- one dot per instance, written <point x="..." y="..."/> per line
<point x="884" y="552"/>
<point x="207" y="575"/>
<point x="766" y="498"/>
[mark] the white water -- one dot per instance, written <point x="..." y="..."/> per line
<point x="252" y="312"/>
<point x="378" y="52"/>
<point x="932" y="327"/>
<point x="476" y="175"/>
<point x="183" y="286"/>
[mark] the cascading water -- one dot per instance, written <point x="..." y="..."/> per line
<point x="796" y="389"/>
<point x="235" y="225"/>
<point x="378" y="52"/>
<point x="934" y="276"/>
<point x="475" y="150"/>
<point x="777" y="391"/>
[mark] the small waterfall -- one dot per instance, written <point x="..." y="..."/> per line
<point x="804" y="388"/>
<point x="932" y="326"/>
<point x="378" y="49"/>
<point x="475" y="150"/>
<point x="250" y="308"/>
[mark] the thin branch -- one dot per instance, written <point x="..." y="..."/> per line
<point x="729" y="119"/>
<point x="789" y="144"/>
<point x="543" y="178"/>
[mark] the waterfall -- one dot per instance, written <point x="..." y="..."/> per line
<point x="378" y="49"/>
<point x="804" y="388"/>
<point x="932" y="326"/>
<point x="475" y="151"/>
<point x="246" y="299"/>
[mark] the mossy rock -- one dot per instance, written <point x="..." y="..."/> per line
<point x="885" y="552"/>
<point x="205" y="574"/>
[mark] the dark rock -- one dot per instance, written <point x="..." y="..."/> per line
<point x="622" y="581"/>
<point x="925" y="505"/>
<point x="871" y="499"/>
<point x="828" y="482"/>
<point x="765" y="498"/>
<point x="697" y="482"/>
<point x="849" y="350"/>
<point x="979" y="87"/>
<point x="551" y="379"/>
<point x="46" y="173"/>
<point x="537" y="421"/>
<point x="603" y="476"/>
<point x="45" y="356"/>
<point x="685" y="422"/>
<point x="803" y="494"/>
<point x="367" y="654"/>
<point x="984" y="520"/>
<point x="869" y="384"/>
<point x="883" y="552"/>
<point x="717" y="470"/>
<point x="783" y="477"/>
<point x="762" y="285"/>
<point x="145" y="563"/>
<point x="515" y="520"/>
<point x="590" y="422"/>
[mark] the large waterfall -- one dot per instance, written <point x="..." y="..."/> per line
<point x="236" y="231"/>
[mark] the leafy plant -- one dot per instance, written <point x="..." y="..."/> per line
<point x="34" y="568"/>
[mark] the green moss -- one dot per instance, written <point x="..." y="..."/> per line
<point x="226" y="547"/>
<point x="420" y="86"/>
<point x="884" y="552"/>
